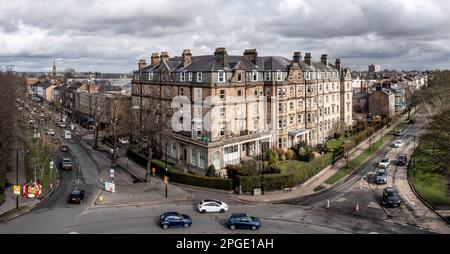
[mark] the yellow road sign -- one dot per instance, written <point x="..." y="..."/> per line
<point x="16" y="189"/>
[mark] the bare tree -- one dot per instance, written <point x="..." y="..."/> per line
<point x="118" y="118"/>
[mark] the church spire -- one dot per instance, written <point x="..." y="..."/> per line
<point x="54" y="70"/>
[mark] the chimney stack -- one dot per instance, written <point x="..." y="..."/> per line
<point x="297" y="58"/>
<point x="165" y="56"/>
<point x="187" y="57"/>
<point x="338" y="64"/>
<point x="221" y="56"/>
<point x="251" y="55"/>
<point x="324" y="59"/>
<point x="308" y="58"/>
<point x="155" y="58"/>
<point x="142" y="63"/>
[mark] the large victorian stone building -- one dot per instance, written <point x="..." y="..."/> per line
<point x="218" y="109"/>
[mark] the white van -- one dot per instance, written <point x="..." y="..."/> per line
<point x="67" y="134"/>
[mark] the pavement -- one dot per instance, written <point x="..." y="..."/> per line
<point x="308" y="187"/>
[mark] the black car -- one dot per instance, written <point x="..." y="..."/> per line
<point x="77" y="196"/>
<point x="391" y="197"/>
<point x="401" y="160"/>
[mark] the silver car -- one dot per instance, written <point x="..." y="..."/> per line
<point x="381" y="176"/>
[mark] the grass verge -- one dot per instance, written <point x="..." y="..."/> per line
<point x="356" y="163"/>
<point x="430" y="180"/>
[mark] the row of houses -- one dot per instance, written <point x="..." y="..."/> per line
<point x="387" y="95"/>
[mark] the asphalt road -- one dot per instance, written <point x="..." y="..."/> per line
<point x="308" y="215"/>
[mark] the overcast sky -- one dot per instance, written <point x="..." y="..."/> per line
<point x="111" y="36"/>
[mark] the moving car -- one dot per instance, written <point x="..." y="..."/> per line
<point x="212" y="206"/>
<point x="64" y="148"/>
<point x="66" y="163"/>
<point x="391" y="197"/>
<point x="77" y="196"/>
<point x="174" y="219"/>
<point x="51" y="132"/>
<point x="381" y="176"/>
<point x="384" y="163"/>
<point x="399" y="143"/>
<point x="398" y="133"/>
<point x="124" y="141"/>
<point x="243" y="220"/>
<point x="401" y="160"/>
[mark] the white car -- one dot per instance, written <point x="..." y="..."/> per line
<point x="384" y="163"/>
<point x="398" y="143"/>
<point x="212" y="206"/>
<point x="50" y="132"/>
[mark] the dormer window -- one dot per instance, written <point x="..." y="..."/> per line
<point x="150" y="76"/>
<point x="199" y="77"/>
<point x="182" y="76"/>
<point x="254" y="75"/>
<point x="319" y="74"/>
<point x="279" y="76"/>
<point x="239" y="77"/>
<point x="267" y="76"/>
<point x="313" y="75"/>
<point x="307" y="75"/>
<point x="221" y="76"/>
<point x="190" y="76"/>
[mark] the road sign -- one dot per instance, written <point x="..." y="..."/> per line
<point x="111" y="187"/>
<point x="111" y="172"/>
<point x="166" y="179"/>
<point x="16" y="189"/>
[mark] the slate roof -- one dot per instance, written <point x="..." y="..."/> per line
<point x="207" y="63"/>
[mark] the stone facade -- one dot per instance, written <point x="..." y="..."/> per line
<point x="232" y="107"/>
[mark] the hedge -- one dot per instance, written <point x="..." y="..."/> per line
<point x="180" y="177"/>
<point x="272" y="182"/>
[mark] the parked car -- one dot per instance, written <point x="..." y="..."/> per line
<point x="174" y="219"/>
<point x="243" y="220"/>
<point x="64" y="148"/>
<point x="67" y="134"/>
<point x="66" y="163"/>
<point x="381" y="176"/>
<point x="398" y="143"/>
<point x="401" y="160"/>
<point x="398" y="133"/>
<point x="77" y="196"/>
<point x="50" y="132"/>
<point x="391" y="197"/>
<point x="124" y="141"/>
<point x="212" y="206"/>
<point x="384" y="163"/>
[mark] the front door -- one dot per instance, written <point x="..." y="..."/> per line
<point x="184" y="154"/>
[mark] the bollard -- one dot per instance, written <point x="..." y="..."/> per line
<point x="357" y="208"/>
<point x="100" y="199"/>
<point x="328" y="203"/>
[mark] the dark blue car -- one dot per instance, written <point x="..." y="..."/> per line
<point x="174" y="219"/>
<point x="243" y="220"/>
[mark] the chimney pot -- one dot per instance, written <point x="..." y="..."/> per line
<point x="308" y="58"/>
<point x="251" y="55"/>
<point x="142" y="63"/>
<point x="165" y="56"/>
<point x="297" y="57"/>
<point x="187" y="57"/>
<point x="221" y="56"/>
<point x="324" y="59"/>
<point x="338" y="64"/>
<point x="155" y="58"/>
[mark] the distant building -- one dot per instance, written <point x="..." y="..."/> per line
<point x="382" y="102"/>
<point x="374" y="68"/>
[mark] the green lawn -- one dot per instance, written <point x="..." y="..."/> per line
<point x="430" y="181"/>
<point x="356" y="163"/>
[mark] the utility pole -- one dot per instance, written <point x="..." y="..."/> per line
<point x="17" y="175"/>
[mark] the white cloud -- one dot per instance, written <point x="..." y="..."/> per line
<point x="112" y="35"/>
